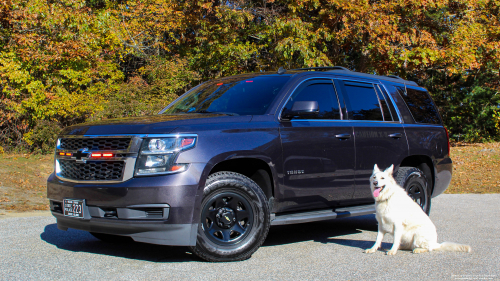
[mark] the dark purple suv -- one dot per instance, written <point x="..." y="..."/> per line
<point x="233" y="156"/>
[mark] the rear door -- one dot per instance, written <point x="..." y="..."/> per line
<point x="379" y="136"/>
<point x="318" y="151"/>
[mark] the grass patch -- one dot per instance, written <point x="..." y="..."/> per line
<point x="23" y="177"/>
<point x="23" y="180"/>
<point x="476" y="168"/>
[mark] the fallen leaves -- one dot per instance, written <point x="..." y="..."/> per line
<point x="475" y="168"/>
<point x="23" y="181"/>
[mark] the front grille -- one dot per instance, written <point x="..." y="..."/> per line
<point x="94" y="143"/>
<point x="92" y="170"/>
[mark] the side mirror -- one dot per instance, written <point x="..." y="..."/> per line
<point x="301" y="108"/>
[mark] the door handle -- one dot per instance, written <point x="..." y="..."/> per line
<point x="343" y="136"/>
<point x="396" y="135"/>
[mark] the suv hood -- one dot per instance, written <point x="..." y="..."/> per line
<point x="154" y="124"/>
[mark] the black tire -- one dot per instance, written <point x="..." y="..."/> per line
<point x="235" y="218"/>
<point x="110" y="238"/>
<point x="415" y="183"/>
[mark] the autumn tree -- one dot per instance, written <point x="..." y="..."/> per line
<point x="67" y="61"/>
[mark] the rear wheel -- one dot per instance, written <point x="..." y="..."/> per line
<point x="415" y="183"/>
<point x="234" y="218"/>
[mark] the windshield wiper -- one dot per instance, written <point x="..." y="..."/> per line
<point x="216" y="112"/>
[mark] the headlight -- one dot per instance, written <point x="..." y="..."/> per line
<point x="158" y="155"/>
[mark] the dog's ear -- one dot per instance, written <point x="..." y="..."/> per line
<point x="376" y="169"/>
<point x="390" y="170"/>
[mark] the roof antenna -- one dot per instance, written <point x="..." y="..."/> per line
<point x="281" y="70"/>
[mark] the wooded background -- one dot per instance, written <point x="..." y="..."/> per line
<point x="64" y="62"/>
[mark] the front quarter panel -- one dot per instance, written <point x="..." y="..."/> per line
<point x="257" y="140"/>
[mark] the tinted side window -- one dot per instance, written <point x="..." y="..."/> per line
<point x="384" y="104"/>
<point x="420" y="105"/>
<point x="321" y="91"/>
<point x="364" y="101"/>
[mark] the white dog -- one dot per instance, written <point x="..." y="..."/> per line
<point x="399" y="215"/>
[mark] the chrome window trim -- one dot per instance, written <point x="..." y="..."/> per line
<point x="374" y="84"/>
<point x="338" y="101"/>
<point x="394" y="103"/>
<point x="377" y="82"/>
<point x="388" y="94"/>
<point x="130" y="160"/>
<point x="378" y="92"/>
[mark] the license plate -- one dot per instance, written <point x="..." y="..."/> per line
<point x="73" y="208"/>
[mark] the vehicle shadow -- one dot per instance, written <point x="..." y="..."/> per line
<point x="82" y="241"/>
<point x="322" y="232"/>
<point x="325" y="232"/>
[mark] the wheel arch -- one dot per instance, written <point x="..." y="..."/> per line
<point x="256" y="169"/>
<point x="423" y="163"/>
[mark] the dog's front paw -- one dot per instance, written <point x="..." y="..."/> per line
<point x="391" y="252"/>
<point x="370" y="251"/>
<point x="420" y="250"/>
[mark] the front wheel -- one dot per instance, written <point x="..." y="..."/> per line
<point x="415" y="183"/>
<point x="234" y="218"/>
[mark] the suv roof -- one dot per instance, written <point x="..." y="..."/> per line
<point x="344" y="71"/>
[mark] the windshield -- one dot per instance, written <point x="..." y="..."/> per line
<point x="233" y="96"/>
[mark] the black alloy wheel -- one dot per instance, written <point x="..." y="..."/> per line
<point x="228" y="218"/>
<point x="417" y="192"/>
<point x="415" y="183"/>
<point x="234" y="219"/>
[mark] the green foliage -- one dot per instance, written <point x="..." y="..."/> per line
<point x="164" y="81"/>
<point x="133" y="99"/>
<point x="54" y="65"/>
<point x="168" y="78"/>
<point x="471" y="113"/>
<point x="43" y="137"/>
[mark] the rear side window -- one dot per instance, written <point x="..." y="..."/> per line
<point x="364" y="101"/>
<point x="321" y="91"/>
<point x="420" y="105"/>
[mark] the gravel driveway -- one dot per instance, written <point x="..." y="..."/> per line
<point x="33" y="248"/>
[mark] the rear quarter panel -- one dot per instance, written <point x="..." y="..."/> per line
<point x="426" y="140"/>
<point x="432" y="141"/>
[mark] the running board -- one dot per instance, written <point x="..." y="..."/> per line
<point x="322" y="215"/>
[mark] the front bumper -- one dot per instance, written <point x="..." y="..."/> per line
<point x="154" y="232"/>
<point x="131" y="208"/>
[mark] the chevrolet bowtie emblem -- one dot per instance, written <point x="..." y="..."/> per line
<point x="81" y="153"/>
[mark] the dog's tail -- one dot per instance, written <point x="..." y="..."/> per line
<point x="452" y="247"/>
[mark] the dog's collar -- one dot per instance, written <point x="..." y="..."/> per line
<point x="389" y="197"/>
